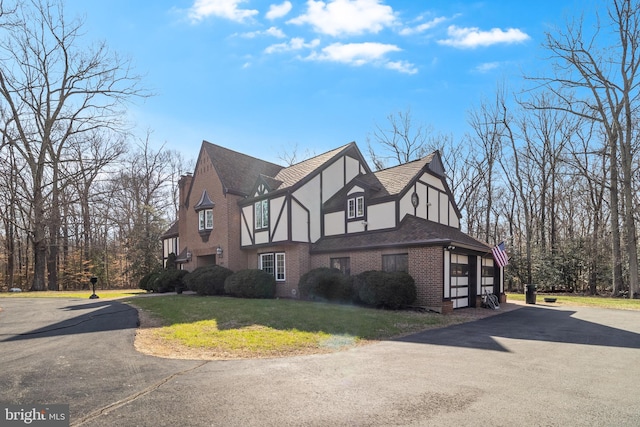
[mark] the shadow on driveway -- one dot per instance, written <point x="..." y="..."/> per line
<point x="527" y="323"/>
<point x="100" y="316"/>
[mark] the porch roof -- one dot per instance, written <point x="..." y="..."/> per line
<point x="412" y="231"/>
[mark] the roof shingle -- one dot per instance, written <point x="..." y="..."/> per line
<point x="412" y="231"/>
<point x="238" y="172"/>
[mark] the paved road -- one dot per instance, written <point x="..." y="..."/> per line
<point x="533" y="366"/>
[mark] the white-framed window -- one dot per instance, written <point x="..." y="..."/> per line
<point x="262" y="214"/>
<point x="273" y="263"/>
<point x="355" y="207"/>
<point x="205" y="219"/>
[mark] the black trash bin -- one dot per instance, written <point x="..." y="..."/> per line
<point x="530" y="292"/>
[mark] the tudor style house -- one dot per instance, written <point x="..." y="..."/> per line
<point x="330" y="211"/>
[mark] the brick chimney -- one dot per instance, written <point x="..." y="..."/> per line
<point x="184" y="184"/>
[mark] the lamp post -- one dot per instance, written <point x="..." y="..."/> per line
<point x="93" y="281"/>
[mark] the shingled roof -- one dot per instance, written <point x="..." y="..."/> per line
<point x="396" y="179"/>
<point x="296" y="173"/>
<point x="238" y="172"/>
<point x="387" y="182"/>
<point x="412" y="231"/>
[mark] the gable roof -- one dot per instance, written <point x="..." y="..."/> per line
<point x="387" y="182"/>
<point x="412" y="231"/>
<point x="395" y="179"/>
<point x="171" y="232"/>
<point x="238" y="172"/>
<point x="294" y="174"/>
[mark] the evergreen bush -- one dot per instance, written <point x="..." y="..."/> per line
<point x="327" y="284"/>
<point x="385" y="290"/>
<point x="208" y="280"/>
<point x="251" y="284"/>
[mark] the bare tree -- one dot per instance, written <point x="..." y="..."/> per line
<point x="596" y="77"/>
<point x="401" y="142"/>
<point x="54" y="88"/>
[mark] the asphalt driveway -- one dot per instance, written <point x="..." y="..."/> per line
<point x="533" y="366"/>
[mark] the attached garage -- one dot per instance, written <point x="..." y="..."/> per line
<point x="459" y="280"/>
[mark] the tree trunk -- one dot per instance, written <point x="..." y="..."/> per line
<point x="39" y="242"/>
<point x="616" y="254"/>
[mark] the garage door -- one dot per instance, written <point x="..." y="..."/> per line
<point x="459" y="282"/>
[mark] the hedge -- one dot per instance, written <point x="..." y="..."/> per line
<point x="208" y="280"/>
<point x="161" y="281"/>
<point x="327" y="284"/>
<point x="386" y="290"/>
<point x="251" y="284"/>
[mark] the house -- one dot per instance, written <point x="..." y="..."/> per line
<point x="330" y="211"/>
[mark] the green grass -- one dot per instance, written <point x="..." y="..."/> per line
<point x="103" y="294"/>
<point x="586" y="301"/>
<point x="234" y="327"/>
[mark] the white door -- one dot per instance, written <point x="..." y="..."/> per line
<point x="459" y="282"/>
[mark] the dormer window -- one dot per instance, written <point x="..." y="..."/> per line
<point x="204" y="207"/>
<point x="355" y="207"/>
<point x="205" y="219"/>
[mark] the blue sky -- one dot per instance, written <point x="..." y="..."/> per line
<point x="262" y="76"/>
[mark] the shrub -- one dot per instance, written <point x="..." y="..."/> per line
<point x="161" y="281"/>
<point x="145" y="282"/>
<point x="387" y="290"/>
<point x="208" y="280"/>
<point x="251" y="284"/>
<point x="327" y="284"/>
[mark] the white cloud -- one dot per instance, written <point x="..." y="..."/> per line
<point x="271" y="31"/>
<point x="472" y="37"/>
<point x="227" y="9"/>
<point x="358" y="54"/>
<point x="278" y="10"/>
<point x="422" y="27"/>
<point x="296" y="43"/>
<point x="487" y="66"/>
<point x="402" y="66"/>
<point x="346" y="17"/>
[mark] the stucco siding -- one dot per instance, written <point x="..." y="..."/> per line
<point x="334" y="223"/>
<point x="309" y="197"/>
<point x="299" y="223"/>
<point x="352" y="167"/>
<point x="247" y="225"/>
<point x="261" y="237"/>
<point x="382" y="215"/>
<point x="332" y="179"/>
<point x="279" y="219"/>
<point x="432" y="180"/>
<point x="443" y="204"/>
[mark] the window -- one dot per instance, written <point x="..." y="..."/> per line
<point x="487" y="271"/>
<point x="273" y="263"/>
<point x="280" y="276"/>
<point x="396" y="262"/>
<point x="262" y="214"/>
<point x="355" y="207"/>
<point x="205" y="219"/>
<point x="342" y="264"/>
<point x="459" y="270"/>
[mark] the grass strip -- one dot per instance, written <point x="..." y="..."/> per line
<point x="585" y="301"/>
<point x="234" y="327"/>
<point x="102" y="293"/>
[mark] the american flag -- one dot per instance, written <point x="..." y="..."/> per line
<point x="500" y="255"/>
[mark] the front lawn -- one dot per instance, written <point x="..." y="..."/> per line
<point x="224" y="328"/>
<point x="586" y="301"/>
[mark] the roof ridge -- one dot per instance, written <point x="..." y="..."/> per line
<point x="204" y="141"/>
<point x="409" y="162"/>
